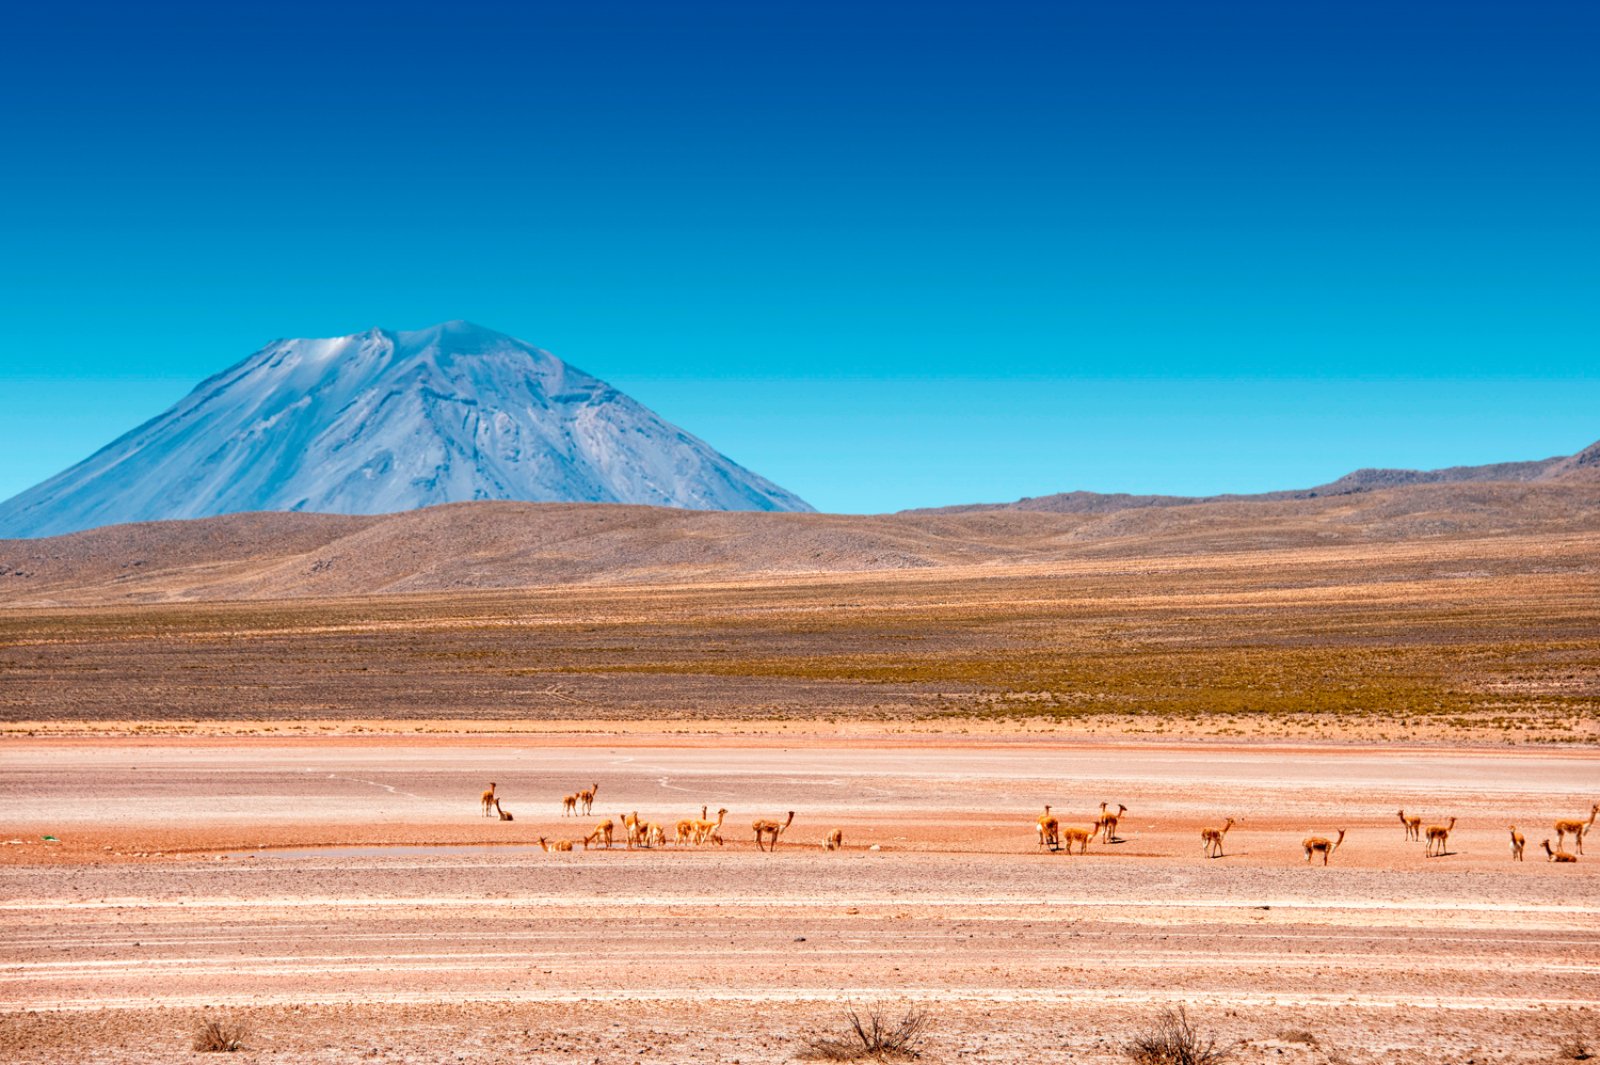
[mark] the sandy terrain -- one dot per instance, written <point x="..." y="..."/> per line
<point x="176" y="889"/>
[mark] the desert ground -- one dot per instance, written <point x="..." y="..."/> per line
<point x="258" y="746"/>
<point x="345" y="898"/>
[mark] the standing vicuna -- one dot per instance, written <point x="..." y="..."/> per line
<point x="709" y="831"/>
<point x="770" y="831"/>
<point x="1439" y="839"/>
<point x="1049" y="830"/>
<point x="1211" y="839"/>
<point x="1108" y="822"/>
<point x="1517" y="842"/>
<point x="1313" y="844"/>
<point x="586" y="798"/>
<point x="1578" y="829"/>
<point x="488" y="800"/>
<point x="1413" y="826"/>
<point x="685" y="829"/>
<point x="1080" y="836"/>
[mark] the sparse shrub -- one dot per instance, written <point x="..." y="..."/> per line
<point x="1298" y="1035"/>
<point x="870" y="1033"/>
<point x="1174" y="1040"/>
<point x="219" y="1035"/>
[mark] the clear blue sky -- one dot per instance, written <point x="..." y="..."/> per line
<point x="887" y="255"/>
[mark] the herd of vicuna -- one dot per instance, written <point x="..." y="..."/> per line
<point x="1104" y="828"/>
<point x="698" y="831"/>
<point x="637" y="832"/>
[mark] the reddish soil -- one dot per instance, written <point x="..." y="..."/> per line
<point x="166" y="898"/>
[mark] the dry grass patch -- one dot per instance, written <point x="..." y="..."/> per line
<point x="1174" y="1040"/>
<point x="871" y="1034"/>
<point x="220" y="1035"/>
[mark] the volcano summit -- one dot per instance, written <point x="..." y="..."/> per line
<point x="388" y="421"/>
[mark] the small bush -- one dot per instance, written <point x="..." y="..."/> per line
<point x="1296" y="1035"/>
<point x="871" y="1033"/>
<point x="1174" y="1040"/>
<point x="219" y="1035"/>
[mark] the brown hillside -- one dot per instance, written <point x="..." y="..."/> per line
<point x="512" y="545"/>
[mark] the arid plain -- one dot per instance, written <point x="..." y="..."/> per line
<point x="263" y="792"/>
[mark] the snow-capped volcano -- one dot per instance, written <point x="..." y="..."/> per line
<point x="387" y="421"/>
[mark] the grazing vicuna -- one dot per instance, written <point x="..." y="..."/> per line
<point x="1439" y="839"/>
<point x="834" y="841"/>
<point x="1579" y="829"/>
<point x="1314" y="844"/>
<point x="1211" y="839"/>
<point x="569" y="806"/>
<point x="770" y="831"/>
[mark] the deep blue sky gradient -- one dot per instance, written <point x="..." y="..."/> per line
<point x="887" y="255"/>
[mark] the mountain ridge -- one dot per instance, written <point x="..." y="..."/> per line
<point x="1583" y="465"/>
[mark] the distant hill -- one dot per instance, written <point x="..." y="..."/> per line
<point x="497" y="545"/>
<point x="386" y="421"/>
<point x="1585" y="465"/>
